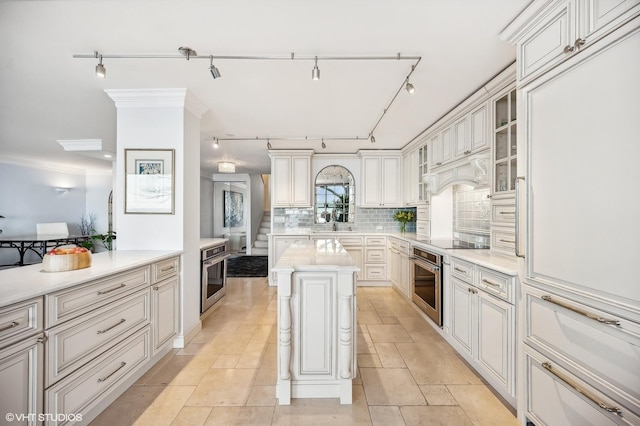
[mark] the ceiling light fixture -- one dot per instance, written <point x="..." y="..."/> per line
<point x="269" y="144"/>
<point x="324" y="146"/>
<point x="226" y="167"/>
<point x="410" y="88"/>
<point x="187" y="52"/>
<point x="216" y="144"/>
<point x="373" y="139"/>
<point x="215" y="72"/>
<point x="315" y="72"/>
<point x="101" y="71"/>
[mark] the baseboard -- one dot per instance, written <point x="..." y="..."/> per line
<point x="183" y="340"/>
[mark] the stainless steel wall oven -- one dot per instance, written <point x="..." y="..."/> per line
<point x="213" y="275"/>
<point x="426" y="287"/>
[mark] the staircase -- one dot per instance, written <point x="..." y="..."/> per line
<point x="261" y="244"/>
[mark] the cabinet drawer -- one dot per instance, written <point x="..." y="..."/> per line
<point x="423" y="228"/>
<point x="374" y="255"/>
<point x="375" y="272"/>
<point x="495" y="283"/>
<point x="81" y="391"/>
<point x="422" y="213"/>
<point x="75" y="301"/>
<point x="350" y="241"/>
<point x="462" y="270"/>
<point x="165" y="269"/>
<point x="20" y="320"/>
<point x="553" y="400"/>
<point x="503" y="212"/>
<point x="503" y="239"/>
<point x="375" y="241"/>
<point x="72" y="344"/>
<point x="610" y="351"/>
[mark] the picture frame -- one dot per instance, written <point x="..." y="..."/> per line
<point x="149" y="181"/>
<point x="233" y="209"/>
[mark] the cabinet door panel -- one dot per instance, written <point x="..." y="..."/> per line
<point x="165" y="312"/>
<point x="391" y="179"/>
<point x="281" y="178"/>
<point x="372" y="191"/>
<point x="603" y="15"/>
<point x="494" y="337"/>
<point x="462" y="314"/>
<point x="568" y="124"/>
<point x="446" y="145"/>
<point x="460" y="137"/>
<point x="301" y="190"/>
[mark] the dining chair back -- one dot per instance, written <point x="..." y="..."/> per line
<point x="53" y="228"/>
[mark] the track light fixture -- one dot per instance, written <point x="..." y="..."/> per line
<point x="324" y="145"/>
<point x="216" y="144"/>
<point x="373" y="138"/>
<point x="101" y="71"/>
<point x="410" y="88"/>
<point x="269" y="144"/>
<point x="315" y="72"/>
<point x="215" y="72"/>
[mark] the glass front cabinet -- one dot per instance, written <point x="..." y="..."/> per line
<point x="505" y="142"/>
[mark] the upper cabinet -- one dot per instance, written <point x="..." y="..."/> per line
<point x="505" y="143"/>
<point x="381" y="178"/>
<point x="291" y="178"/>
<point x="564" y="29"/>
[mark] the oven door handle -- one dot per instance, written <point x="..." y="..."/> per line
<point x="429" y="267"/>
<point x="213" y="261"/>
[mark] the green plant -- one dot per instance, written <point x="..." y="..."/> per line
<point x="87" y="224"/>
<point x="404" y="216"/>
<point x="105" y="240"/>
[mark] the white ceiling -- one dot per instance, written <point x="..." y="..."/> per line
<point x="48" y="95"/>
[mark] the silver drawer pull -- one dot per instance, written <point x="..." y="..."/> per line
<point x="578" y="389"/>
<point x="581" y="312"/>
<point x="113" y="326"/>
<point x="165" y="269"/>
<point x="101" y="292"/>
<point x="10" y="326"/>
<point x="104" y="379"/>
<point x="460" y="270"/>
<point x="506" y="212"/>
<point x="484" y="280"/>
<point x="502" y="240"/>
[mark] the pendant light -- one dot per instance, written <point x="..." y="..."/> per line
<point x="101" y="71"/>
<point x="315" y="72"/>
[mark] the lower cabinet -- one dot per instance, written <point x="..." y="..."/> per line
<point x="482" y="329"/>
<point x="164" y="311"/>
<point x="21" y="379"/>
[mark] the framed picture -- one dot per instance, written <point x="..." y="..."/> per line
<point x="233" y="209"/>
<point x="149" y="181"/>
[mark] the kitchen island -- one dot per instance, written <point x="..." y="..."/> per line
<point x="316" y="322"/>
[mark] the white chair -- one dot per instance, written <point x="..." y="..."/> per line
<point x="55" y="228"/>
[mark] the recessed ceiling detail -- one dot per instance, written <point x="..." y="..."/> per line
<point x="81" y="144"/>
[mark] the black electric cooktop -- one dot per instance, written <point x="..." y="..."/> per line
<point x="453" y="244"/>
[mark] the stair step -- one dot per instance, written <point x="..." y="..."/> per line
<point x="262" y="244"/>
<point x="264" y="230"/>
<point x="257" y="251"/>
<point x="262" y="237"/>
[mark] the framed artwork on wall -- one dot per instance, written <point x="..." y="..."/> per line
<point x="149" y="181"/>
<point x="233" y="209"/>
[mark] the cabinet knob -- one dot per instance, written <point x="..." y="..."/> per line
<point x="438" y="163"/>
<point x="569" y="49"/>
<point x="579" y="42"/>
<point x="467" y="152"/>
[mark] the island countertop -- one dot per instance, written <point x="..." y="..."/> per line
<point x="319" y="255"/>
<point x="25" y="282"/>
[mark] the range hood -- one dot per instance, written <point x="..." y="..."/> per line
<point x="472" y="170"/>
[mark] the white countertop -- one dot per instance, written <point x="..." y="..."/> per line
<point x="320" y="255"/>
<point x="210" y="242"/>
<point x="25" y="282"/>
<point x="501" y="263"/>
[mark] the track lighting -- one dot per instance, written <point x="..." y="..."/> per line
<point x="373" y="139"/>
<point x="410" y="88"/>
<point x="268" y="144"/>
<point x="215" y="72"/>
<point x="315" y="73"/>
<point x="216" y="144"/>
<point x="324" y="145"/>
<point x="101" y="71"/>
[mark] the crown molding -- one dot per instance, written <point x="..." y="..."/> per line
<point x="157" y="98"/>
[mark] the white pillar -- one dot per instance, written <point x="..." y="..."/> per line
<point x="164" y="119"/>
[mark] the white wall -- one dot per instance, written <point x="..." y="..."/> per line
<point x="442" y="214"/>
<point x="27" y="197"/>
<point x="206" y="207"/>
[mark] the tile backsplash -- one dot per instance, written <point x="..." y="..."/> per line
<point x="365" y="220"/>
<point x="471" y="214"/>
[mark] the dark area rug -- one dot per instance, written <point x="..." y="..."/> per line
<point x="247" y="266"/>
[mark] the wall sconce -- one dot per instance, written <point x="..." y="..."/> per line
<point x="226" y="167"/>
<point x="61" y="190"/>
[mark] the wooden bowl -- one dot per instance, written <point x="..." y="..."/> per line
<point x="66" y="262"/>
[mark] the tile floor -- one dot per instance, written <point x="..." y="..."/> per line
<point x="408" y="374"/>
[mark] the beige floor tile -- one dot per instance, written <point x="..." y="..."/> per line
<point x="129" y="406"/>
<point x="157" y="367"/>
<point x="388" y="333"/>
<point x="364" y="305"/>
<point x="364" y="343"/>
<point x="324" y="411"/>
<point x="390" y="386"/>
<point x="250" y="360"/>
<point x="183" y="370"/>
<point x="389" y="355"/>
<point x="254" y="416"/>
<point x="262" y="396"/>
<point x="191" y="349"/>
<point x="386" y="415"/>
<point x="223" y="387"/>
<point x="226" y="361"/>
<point x="369" y="360"/>
<point x="430" y="366"/>
<point x="266" y="376"/>
<point x="416" y="324"/>
<point x="368" y="317"/>
<point x="481" y="405"/>
<point x="192" y="416"/>
<point x="389" y="320"/>
<point x="431" y="337"/>
<point x="435" y="416"/>
<point x="226" y="344"/>
<point x="270" y="356"/>
<point x="438" y="395"/>
<point x="166" y="406"/>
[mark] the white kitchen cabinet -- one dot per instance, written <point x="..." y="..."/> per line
<point x="291" y="178"/>
<point x="462" y="314"/>
<point x="277" y="245"/>
<point x="165" y="297"/>
<point x="505" y="152"/>
<point x="412" y="177"/>
<point x="470" y="132"/>
<point x="399" y="266"/>
<point x="441" y="148"/>
<point x="21" y="375"/>
<point x="564" y="29"/>
<point x="375" y="260"/>
<point x="381" y="179"/>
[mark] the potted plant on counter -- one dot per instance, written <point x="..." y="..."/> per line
<point x="404" y="216"/>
